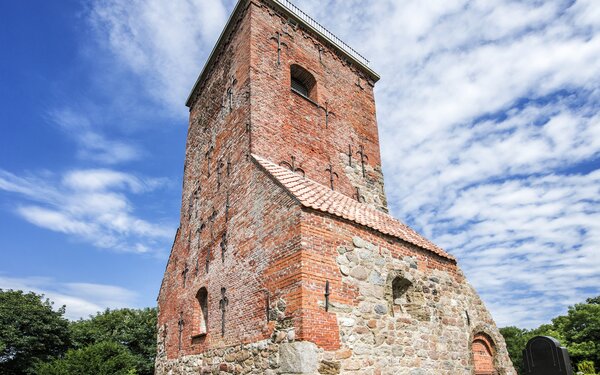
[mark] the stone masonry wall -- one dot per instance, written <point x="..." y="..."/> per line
<point x="428" y="331"/>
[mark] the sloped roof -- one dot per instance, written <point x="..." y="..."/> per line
<point x="319" y="197"/>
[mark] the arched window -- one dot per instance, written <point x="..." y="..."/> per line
<point x="399" y="288"/>
<point x="303" y="82"/>
<point x="407" y="298"/>
<point x="201" y="313"/>
<point x="483" y="355"/>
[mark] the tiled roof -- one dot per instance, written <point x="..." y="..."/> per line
<point x="313" y="195"/>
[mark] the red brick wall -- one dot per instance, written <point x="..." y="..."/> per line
<point x="263" y="253"/>
<point x="261" y="224"/>
<point x="262" y="257"/>
<point x="483" y="355"/>
<point x="287" y="124"/>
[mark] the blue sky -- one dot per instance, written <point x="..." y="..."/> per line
<point x="489" y="115"/>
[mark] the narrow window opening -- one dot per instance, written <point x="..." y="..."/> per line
<point x="299" y="87"/>
<point x="408" y="298"/>
<point x="303" y="82"/>
<point x="201" y="326"/>
<point x="399" y="288"/>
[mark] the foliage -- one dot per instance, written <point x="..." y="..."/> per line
<point x="134" y="329"/>
<point x="104" y="358"/>
<point x="578" y="331"/>
<point x="595" y="300"/>
<point x="516" y="339"/>
<point x="34" y="339"/>
<point x="581" y="328"/>
<point x="30" y="331"/>
<point x="586" y="368"/>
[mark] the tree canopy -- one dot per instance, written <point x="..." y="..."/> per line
<point x="134" y="329"/>
<point x="37" y="339"/>
<point x="104" y="358"/>
<point x="30" y="331"/>
<point x="578" y="331"/>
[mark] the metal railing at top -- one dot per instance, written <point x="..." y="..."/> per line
<point x="317" y="26"/>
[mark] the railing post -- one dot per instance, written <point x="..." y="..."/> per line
<point x="317" y="26"/>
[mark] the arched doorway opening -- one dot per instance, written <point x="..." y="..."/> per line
<point x="483" y="355"/>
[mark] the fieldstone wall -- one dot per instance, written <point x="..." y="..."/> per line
<point x="370" y="184"/>
<point x="428" y="330"/>
<point x="256" y="358"/>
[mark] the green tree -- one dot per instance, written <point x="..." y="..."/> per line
<point x="516" y="339"/>
<point x="578" y="331"/>
<point x="586" y="368"/>
<point x="551" y="330"/>
<point x="134" y="329"/>
<point x="595" y="300"/>
<point x="30" y="331"/>
<point x="581" y="329"/>
<point x="104" y="358"/>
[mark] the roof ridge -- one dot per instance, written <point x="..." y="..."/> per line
<point x="314" y="195"/>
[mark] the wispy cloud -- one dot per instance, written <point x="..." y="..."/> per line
<point x="81" y="299"/>
<point x="489" y="116"/>
<point x="91" y="205"/>
<point x="163" y="42"/>
<point x="491" y="138"/>
<point x="527" y="241"/>
<point x="92" y="144"/>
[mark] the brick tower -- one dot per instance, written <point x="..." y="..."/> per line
<point x="286" y="261"/>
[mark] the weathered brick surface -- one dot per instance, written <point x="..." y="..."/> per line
<point x="483" y="355"/>
<point x="243" y="231"/>
<point x="286" y="124"/>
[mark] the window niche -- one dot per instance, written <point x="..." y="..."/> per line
<point x="201" y="313"/>
<point x="405" y="297"/>
<point x="303" y="82"/>
<point x="483" y="351"/>
<point x="400" y="286"/>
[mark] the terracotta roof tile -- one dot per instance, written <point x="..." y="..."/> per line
<point x="313" y="195"/>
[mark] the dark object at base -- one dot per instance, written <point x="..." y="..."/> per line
<point x="543" y="355"/>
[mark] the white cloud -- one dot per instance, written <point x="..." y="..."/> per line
<point x="92" y="144"/>
<point x="535" y="235"/>
<point x="486" y="109"/>
<point x="102" y="179"/>
<point x="494" y="192"/>
<point x="81" y="299"/>
<point x="54" y="220"/>
<point x="93" y="206"/>
<point x="163" y="42"/>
